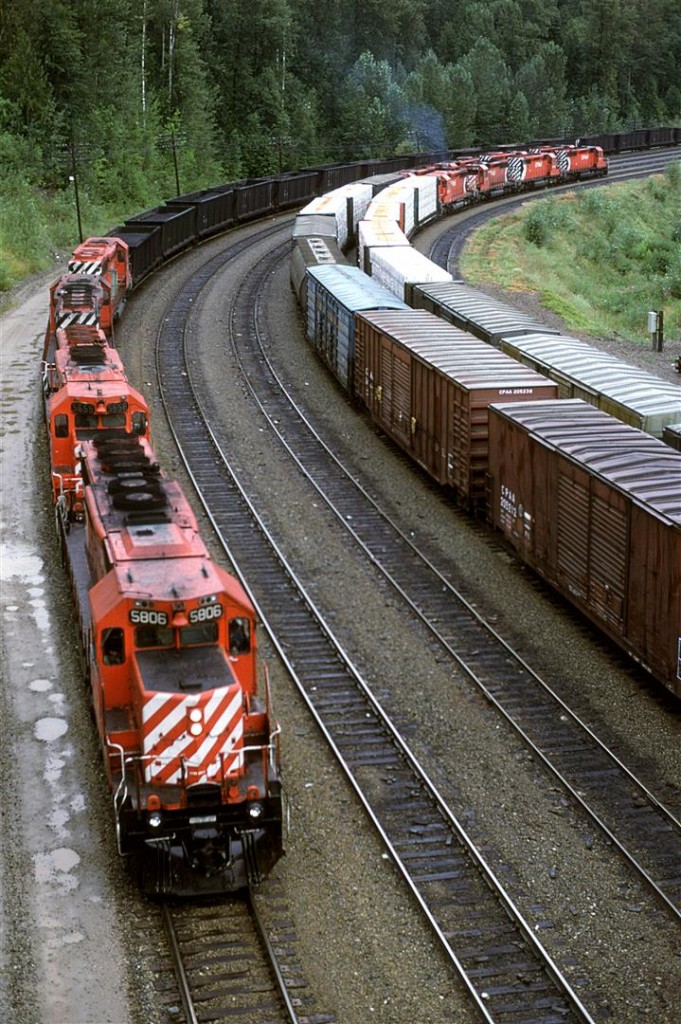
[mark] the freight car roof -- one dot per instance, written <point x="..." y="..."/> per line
<point x="453" y="351"/>
<point x="598" y="369"/>
<point x="645" y="469"/>
<point x="478" y="311"/>
<point x="353" y="288"/>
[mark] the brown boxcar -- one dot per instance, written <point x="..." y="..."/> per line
<point x="594" y="506"/>
<point x="428" y="385"/>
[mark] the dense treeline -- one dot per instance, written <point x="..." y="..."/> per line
<point x="140" y="95"/>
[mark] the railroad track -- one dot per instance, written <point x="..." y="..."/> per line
<point x="637" y="822"/>
<point x="237" y="959"/>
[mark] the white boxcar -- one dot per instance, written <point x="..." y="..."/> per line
<point x="400" y="267"/>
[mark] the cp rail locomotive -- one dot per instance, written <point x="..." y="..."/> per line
<point x="168" y="638"/>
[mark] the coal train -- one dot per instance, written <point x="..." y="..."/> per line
<point x="167" y="637"/>
<point x="556" y="444"/>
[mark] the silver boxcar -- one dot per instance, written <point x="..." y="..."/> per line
<point x="311" y="251"/>
<point x="334" y="295"/>
<point x="626" y="392"/>
<point x="472" y="310"/>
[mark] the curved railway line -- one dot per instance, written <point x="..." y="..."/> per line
<point x="493" y="948"/>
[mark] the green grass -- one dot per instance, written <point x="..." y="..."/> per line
<point x="35" y="225"/>
<point x="599" y="258"/>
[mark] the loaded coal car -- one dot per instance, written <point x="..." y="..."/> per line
<point x="332" y="176"/>
<point x="429" y="387"/>
<point x="214" y="210"/>
<point x="189" y="742"/>
<point x="253" y="198"/>
<point x="594" y="507"/>
<point x="145" y="248"/>
<point x="177" y="225"/>
<point x="294" y="188"/>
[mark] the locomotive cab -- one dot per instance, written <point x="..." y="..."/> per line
<point x="192" y="755"/>
<point x="86" y="391"/>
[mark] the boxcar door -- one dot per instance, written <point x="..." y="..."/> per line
<point x="427" y="422"/>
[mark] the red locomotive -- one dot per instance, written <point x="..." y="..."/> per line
<point x="494" y="174"/>
<point x="94" y="290"/>
<point x="75" y="299"/>
<point x="107" y="260"/>
<point x="168" y="638"/>
<point x="85" y="389"/>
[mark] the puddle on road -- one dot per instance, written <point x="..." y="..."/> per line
<point x="55" y="867"/>
<point x="50" y="729"/>
<point x="21" y="564"/>
<point x="40" y="685"/>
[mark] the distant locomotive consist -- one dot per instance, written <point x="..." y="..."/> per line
<point x="168" y="638"/>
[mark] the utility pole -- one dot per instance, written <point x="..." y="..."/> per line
<point x="74" y="178"/>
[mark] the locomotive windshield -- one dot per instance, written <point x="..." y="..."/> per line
<point x="89" y="421"/>
<point x="184" y="636"/>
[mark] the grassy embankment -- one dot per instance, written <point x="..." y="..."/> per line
<point x="35" y="226"/>
<point x="599" y="258"/>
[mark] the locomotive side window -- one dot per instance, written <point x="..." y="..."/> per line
<point x="239" y="636"/>
<point x="61" y="425"/>
<point x="113" y="646"/>
<point x="139" y="423"/>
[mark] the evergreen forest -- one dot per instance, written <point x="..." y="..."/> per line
<point x="140" y="99"/>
